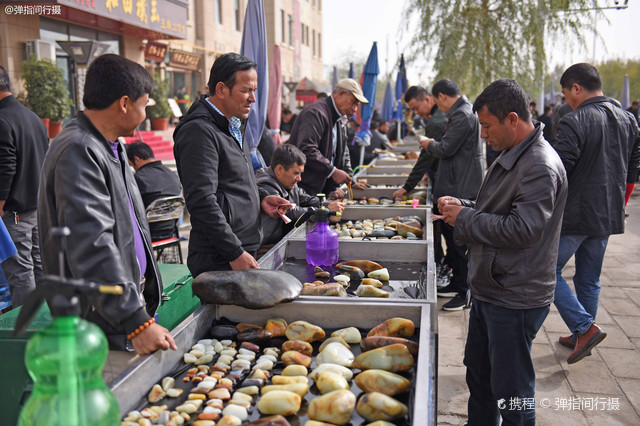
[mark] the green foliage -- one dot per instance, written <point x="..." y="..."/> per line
<point x="613" y="73"/>
<point x="478" y="41"/>
<point x="160" y="94"/>
<point x="47" y="93"/>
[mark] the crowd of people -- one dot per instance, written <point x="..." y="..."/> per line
<point x="556" y="187"/>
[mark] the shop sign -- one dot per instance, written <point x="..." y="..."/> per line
<point x="180" y="59"/>
<point x="155" y="52"/>
<point x="164" y="16"/>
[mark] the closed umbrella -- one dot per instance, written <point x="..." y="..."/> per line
<point x="388" y="103"/>
<point x="254" y="47"/>
<point x="625" y="99"/>
<point x="334" y="78"/>
<point x="401" y="88"/>
<point x="369" y="84"/>
<point x="351" y="74"/>
<point x="275" y="95"/>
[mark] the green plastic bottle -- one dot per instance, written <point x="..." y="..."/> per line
<point x="65" y="360"/>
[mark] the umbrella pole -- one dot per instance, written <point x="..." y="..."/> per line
<point x="399" y="128"/>
<point x="361" y="155"/>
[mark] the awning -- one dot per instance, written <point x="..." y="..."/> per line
<point x="157" y="19"/>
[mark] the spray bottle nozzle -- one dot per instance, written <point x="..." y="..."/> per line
<point x="60" y="292"/>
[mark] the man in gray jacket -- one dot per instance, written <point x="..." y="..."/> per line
<point x="512" y="231"/>
<point x="459" y="174"/>
<point x="87" y="185"/>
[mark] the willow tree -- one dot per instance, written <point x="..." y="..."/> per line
<point x="477" y="41"/>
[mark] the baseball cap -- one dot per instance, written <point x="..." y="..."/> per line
<point x="352" y="86"/>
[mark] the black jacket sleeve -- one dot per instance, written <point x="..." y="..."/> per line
<point x="425" y="160"/>
<point x="199" y="162"/>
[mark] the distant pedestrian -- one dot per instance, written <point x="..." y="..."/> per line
<point x="599" y="144"/>
<point x="634" y="109"/>
<point x="459" y="174"/>
<point x="547" y="119"/>
<point x="23" y="145"/>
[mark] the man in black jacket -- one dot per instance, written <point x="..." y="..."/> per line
<point x="512" y="232"/>
<point x="217" y="176"/>
<point x="154" y="180"/>
<point x="459" y="174"/>
<point x="424" y="106"/>
<point x="320" y="135"/>
<point x="599" y="144"/>
<point x="87" y="185"/>
<point x="23" y="145"/>
<point x="281" y="178"/>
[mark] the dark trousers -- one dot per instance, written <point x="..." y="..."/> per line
<point x="500" y="373"/>
<point x="456" y="258"/>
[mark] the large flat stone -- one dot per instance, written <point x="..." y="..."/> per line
<point x="543" y="357"/>
<point x="547" y="413"/>
<point x="631" y="388"/>
<point x="634" y="295"/>
<point x="622" y="362"/>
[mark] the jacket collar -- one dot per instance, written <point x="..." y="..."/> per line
<point x="333" y="110"/>
<point x="599" y="100"/>
<point x="508" y="159"/>
<point x="457" y="104"/>
<point x="83" y="121"/>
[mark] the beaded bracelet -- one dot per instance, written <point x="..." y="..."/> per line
<point x="139" y="330"/>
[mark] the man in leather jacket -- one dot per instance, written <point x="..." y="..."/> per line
<point x="281" y="178"/>
<point x="86" y="184"/>
<point x="599" y="144"/>
<point x="512" y="231"/>
<point x="215" y="168"/>
<point x="459" y="174"/>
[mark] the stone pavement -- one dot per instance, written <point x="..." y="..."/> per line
<point x="610" y="378"/>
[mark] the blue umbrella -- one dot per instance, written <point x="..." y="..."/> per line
<point x="7" y="248"/>
<point x="387" y="104"/>
<point x="625" y="99"/>
<point x="351" y="70"/>
<point x="369" y="84"/>
<point x="401" y="87"/>
<point x="254" y="47"/>
<point x="334" y="78"/>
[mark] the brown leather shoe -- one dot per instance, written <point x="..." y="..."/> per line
<point x="567" y="341"/>
<point x="586" y="343"/>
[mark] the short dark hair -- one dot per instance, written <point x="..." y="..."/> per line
<point x="322" y="95"/>
<point x="547" y="108"/>
<point x="415" y="92"/>
<point x="585" y="75"/>
<point x="5" y="82"/>
<point x="286" y="111"/>
<point x="503" y="97"/>
<point x="111" y="77"/>
<point x="224" y="70"/>
<point x="374" y="125"/>
<point x="382" y="123"/>
<point x="287" y="155"/>
<point x="446" y="87"/>
<point x="140" y="150"/>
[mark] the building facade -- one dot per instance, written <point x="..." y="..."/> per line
<point x="180" y="39"/>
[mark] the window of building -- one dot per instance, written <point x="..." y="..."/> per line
<point x="217" y="6"/>
<point x="283" y="27"/>
<point x="290" y="28"/>
<point x="313" y="41"/>
<point x="302" y="34"/>
<point x="319" y="45"/>
<point x="306" y="36"/>
<point x="236" y="12"/>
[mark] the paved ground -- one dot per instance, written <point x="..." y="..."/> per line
<point x="609" y="380"/>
